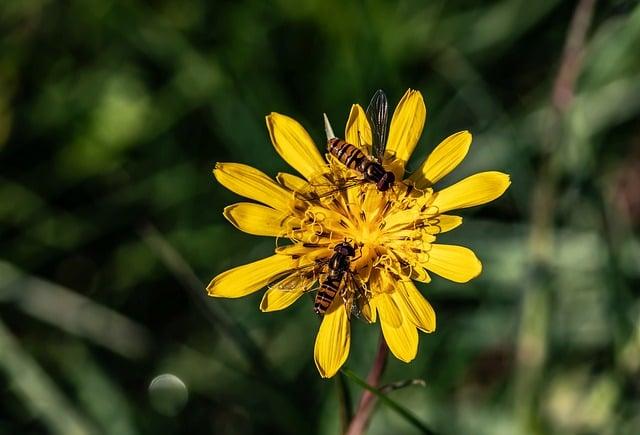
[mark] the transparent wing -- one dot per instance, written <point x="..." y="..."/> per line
<point x="300" y="279"/>
<point x="332" y="188"/>
<point x="377" y="113"/>
<point x="353" y="303"/>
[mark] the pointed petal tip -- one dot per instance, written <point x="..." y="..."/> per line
<point x="211" y="290"/>
<point x="406" y="127"/>
<point x="273" y="117"/>
<point x="412" y="92"/>
<point x="472" y="191"/>
<point x="333" y="340"/>
<point x="269" y="120"/>
<point x="326" y="372"/>
<point x="430" y="330"/>
<point x="404" y="358"/>
<point x="505" y="179"/>
<point x="476" y="273"/>
<point x="228" y="209"/>
<point x="219" y="167"/>
<point x="255" y="219"/>
<point x="294" y="144"/>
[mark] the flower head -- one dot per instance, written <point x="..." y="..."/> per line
<point x="393" y="233"/>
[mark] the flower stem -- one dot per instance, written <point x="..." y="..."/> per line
<point x="368" y="400"/>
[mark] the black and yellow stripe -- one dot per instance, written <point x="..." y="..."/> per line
<point x="327" y="293"/>
<point x="347" y="154"/>
<point x="338" y="266"/>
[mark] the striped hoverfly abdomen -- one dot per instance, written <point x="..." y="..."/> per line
<point x="353" y="158"/>
<point x="350" y="156"/>
<point x="338" y="266"/>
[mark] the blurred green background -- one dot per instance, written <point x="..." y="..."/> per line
<point x="112" y="115"/>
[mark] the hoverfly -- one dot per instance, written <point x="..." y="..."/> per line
<point x="339" y="265"/>
<point x="336" y="278"/>
<point x="353" y="158"/>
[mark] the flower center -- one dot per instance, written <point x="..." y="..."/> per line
<point x="369" y="234"/>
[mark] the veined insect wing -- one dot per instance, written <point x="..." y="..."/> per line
<point x="300" y="279"/>
<point x="333" y="189"/>
<point x="296" y="283"/>
<point x="356" y="302"/>
<point x="377" y="114"/>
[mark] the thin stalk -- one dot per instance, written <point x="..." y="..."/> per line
<point x="368" y="400"/>
<point x="392" y="404"/>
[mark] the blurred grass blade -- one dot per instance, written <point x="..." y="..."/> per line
<point x="412" y="419"/>
<point x="73" y="313"/>
<point x="216" y="316"/>
<point x="96" y="392"/>
<point x="37" y="390"/>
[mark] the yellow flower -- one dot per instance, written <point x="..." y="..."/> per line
<point x="393" y="232"/>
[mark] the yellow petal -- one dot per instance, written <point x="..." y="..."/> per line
<point x="246" y="279"/>
<point x="457" y="263"/>
<point x="420" y="274"/>
<point x="372" y="314"/>
<point x="443" y="223"/>
<point x="474" y="190"/>
<point x="388" y="310"/>
<point x="331" y="220"/>
<point x="406" y="127"/>
<point x="373" y="204"/>
<point x="256" y="219"/>
<point x="333" y="340"/>
<point x="295" y="146"/>
<point x="358" y="130"/>
<point x="253" y="184"/>
<point x="401" y="339"/>
<point x="292" y="182"/>
<point x="442" y="160"/>
<point x="310" y="252"/>
<point x="411" y="258"/>
<point x="286" y="291"/>
<point x="417" y="308"/>
<point x="366" y="312"/>
<point x="274" y="299"/>
<point x="402" y="219"/>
